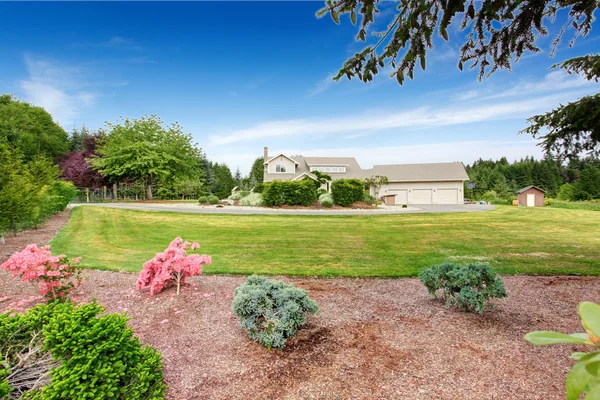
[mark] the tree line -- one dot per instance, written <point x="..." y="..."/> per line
<point x="498" y="181"/>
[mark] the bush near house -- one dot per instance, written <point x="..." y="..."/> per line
<point x="326" y="200"/>
<point x="270" y="310"/>
<point x="470" y="287"/>
<point x="213" y="200"/>
<point x="292" y="193"/>
<point x="76" y="352"/>
<point x="202" y="199"/>
<point x="345" y="192"/>
<point x="252" y="200"/>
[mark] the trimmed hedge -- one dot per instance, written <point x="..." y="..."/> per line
<point x="202" y="199"/>
<point x="292" y="193"/>
<point x="213" y="200"/>
<point x="346" y="192"/>
<point x="95" y="355"/>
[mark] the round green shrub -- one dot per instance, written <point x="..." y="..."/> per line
<point x="345" y="192"/>
<point x="327" y="203"/>
<point x="470" y="287"/>
<point x="202" y="199"/>
<point x="367" y="198"/>
<point x="271" y="311"/>
<point x="213" y="200"/>
<point x="96" y="355"/>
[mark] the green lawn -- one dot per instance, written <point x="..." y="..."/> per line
<point x="514" y="240"/>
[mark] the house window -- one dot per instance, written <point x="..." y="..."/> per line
<point x="279" y="167"/>
<point x="329" y="169"/>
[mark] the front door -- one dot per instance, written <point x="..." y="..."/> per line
<point x="530" y="199"/>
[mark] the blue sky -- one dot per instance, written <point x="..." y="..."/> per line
<point x="240" y="76"/>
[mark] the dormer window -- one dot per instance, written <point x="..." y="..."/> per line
<point x="279" y="167"/>
<point x="338" y="169"/>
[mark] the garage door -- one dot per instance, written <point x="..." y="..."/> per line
<point x="401" y="195"/>
<point x="421" y="196"/>
<point x="447" y="196"/>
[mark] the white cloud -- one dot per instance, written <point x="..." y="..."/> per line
<point x="321" y="86"/>
<point x="417" y="118"/>
<point x="553" y="81"/>
<point x="468" y="95"/>
<point x="55" y="87"/>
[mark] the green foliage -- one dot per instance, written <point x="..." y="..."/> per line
<point x="345" y="192"/>
<point x="223" y="182"/>
<point x="202" y="199"/>
<point x="30" y="129"/>
<point x="98" y="356"/>
<point x="271" y="311"/>
<point x="566" y="192"/>
<point x="292" y="193"/>
<point x="376" y="182"/>
<point x="574" y="205"/>
<point x="326" y="200"/>
<point x="239" y="195"/>
<point x="56" y="198"/>
<point x="495" y="33"/>
<point x="143" y="149"/>
<point x="259" y="187"/>
<point x="584" y="376"/>
<point x="252" y="200"/>
<point x="321" y="192"/>
<point x="257" y="172"/>
<point x="572" y="129"/>
<point x="213" y="200"/>
<point x="470" y="287"/>
<point x="367" y="198"/>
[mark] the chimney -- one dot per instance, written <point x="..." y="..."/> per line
<point x="266" y="153"/>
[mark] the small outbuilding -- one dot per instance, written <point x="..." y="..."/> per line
<point x="531" y="196"/>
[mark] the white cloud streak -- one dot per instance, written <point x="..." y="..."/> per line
<point x="54" y="87"/>
<point x="417" y="118"/>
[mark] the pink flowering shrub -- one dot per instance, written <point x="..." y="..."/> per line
<point x="57" y="276"/>
<point x="172" y="267"/>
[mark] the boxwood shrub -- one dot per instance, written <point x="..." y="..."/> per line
<point x="345" y="192"/>
<point x="92" y="356"/>
<point x="470" y="287"/>
<point x="213" y="200"/>
<point x="202" y="199"/>
<point x="293" y="193"/>
<point x="271" y="311"/>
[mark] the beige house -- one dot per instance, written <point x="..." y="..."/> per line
<point x="434" y="183"/>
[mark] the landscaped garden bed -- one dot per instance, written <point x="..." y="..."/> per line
<point x="372" y="338"/>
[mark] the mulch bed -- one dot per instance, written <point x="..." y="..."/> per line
<point x="372" y="339"/>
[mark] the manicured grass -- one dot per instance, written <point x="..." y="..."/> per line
<point x="514" y="240"/>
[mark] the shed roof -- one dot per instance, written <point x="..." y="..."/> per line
<point x="531" y="187"/>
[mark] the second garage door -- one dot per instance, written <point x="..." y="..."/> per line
<point x="447" y="196"/>
<point x="421" y="196"/>
<point x="401" y="195"/>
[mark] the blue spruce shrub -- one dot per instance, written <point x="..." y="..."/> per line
<point x="470" y="287"/>
<point x="271" y="311"/>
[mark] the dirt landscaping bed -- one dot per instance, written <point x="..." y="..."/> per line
<point x="372" y="339"/>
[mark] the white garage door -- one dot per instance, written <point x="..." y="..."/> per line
<point x="421" y="196"/>
<point x="401" y="195"/>
<point x="447" y="196"/>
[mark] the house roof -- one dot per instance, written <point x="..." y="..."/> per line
<point x="453" y="171"/>
<point x="531" y="187"/>
<point x="281" y="154"/>
<point x="305" y="174"/>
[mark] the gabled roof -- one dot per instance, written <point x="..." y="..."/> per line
<point x="453" y="171"/>
<point x="331" y="161"/>
<point x="304" y="174"/>
<point x="531" y="187"/>
<point x="281" y="154"/>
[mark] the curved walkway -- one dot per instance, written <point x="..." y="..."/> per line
<point x="195" y="208"/>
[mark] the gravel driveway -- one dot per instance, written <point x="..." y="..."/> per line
<point x="196" y="208"/>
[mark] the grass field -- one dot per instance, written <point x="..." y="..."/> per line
<point x="514" y="240"/>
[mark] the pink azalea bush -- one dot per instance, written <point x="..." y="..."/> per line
<point x="57" y="276"/>
<point x="172" y="267"/>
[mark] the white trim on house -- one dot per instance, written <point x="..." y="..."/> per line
<point x="279" y="155"/>
<point x="304" y="174"/>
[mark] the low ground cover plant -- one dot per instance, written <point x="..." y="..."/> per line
<point x="57" y="276"/>
<point x="345" y="192"/>
<point x="326" y="200"/>
<point x="171" y="267"/>
<point x="292" y="193"/>
<point x="61" y="350"/>
<point x="252" y="200"/>
<point x="213" y="200"/>
<point x="239" y="195"/>
<point x="470" y="287"/>
<point x="271" y="311"/>
<point x="584" y="376"/>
